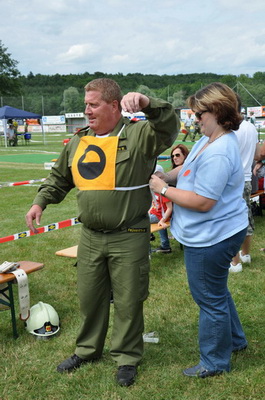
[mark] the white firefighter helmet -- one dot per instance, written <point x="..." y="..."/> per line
<point x="43" y="320"/>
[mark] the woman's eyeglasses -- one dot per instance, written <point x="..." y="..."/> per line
<point x="176" y="155"/>
<point x="198" y="115"/>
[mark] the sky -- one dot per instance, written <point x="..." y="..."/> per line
<point x="146" y="36"/>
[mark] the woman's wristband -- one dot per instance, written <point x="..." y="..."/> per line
<point x="164" y="189"/>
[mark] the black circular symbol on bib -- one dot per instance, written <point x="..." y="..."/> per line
<point x="92" y="170"/>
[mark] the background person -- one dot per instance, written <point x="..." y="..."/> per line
<point x="160" y="213"/>
<point x="197" y="130"/>
<point x="188" y="124"/>
<point x="210" y="220"/>
<point x="10" y="134"/>
<point x="259" y="169"/>
<point x="178" y="155"/>
<point x="261" y="156"/>
<point x="247" y="137"/>
<point x="26" y="126"/>
<point x="15" y="124"/>
<point x="110" y="162"/>
<point x="252" y="118"/>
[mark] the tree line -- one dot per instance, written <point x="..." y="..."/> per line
<point x="59" y="94"/>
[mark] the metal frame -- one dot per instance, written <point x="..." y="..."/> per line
<point x="10" y="303"/>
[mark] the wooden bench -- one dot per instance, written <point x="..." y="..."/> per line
<point x="68" y="252"/>
<point x="72" y="251"/>
<point x="156" y="227"/>
<point x="257" y="194"/>
<point x="7" y="290"/>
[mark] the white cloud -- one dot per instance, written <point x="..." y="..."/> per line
<point x="77" y="52"/>
<point x="119" y="58"/>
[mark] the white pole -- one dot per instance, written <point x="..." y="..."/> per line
<point x="43" y="133"/>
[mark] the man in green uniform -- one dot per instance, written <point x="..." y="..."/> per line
<point x="110" y="162"/>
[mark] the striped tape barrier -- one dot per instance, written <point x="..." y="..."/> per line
<point x="22" y="183"/>
<point x="43" y="229"/>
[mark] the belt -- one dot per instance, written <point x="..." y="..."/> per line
<point x="23" y="293"/>
<point x="122" y="227"/>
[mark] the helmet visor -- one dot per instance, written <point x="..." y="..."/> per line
<point x="46" y="329"/>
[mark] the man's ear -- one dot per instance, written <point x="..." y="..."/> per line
<point x="115" y="105"/>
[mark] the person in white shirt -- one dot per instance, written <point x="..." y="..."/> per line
<point x="10" y="133"/>
<point x="188" y="124"/>
<point x="252" y="118"/>
<point x="247" y="136"/>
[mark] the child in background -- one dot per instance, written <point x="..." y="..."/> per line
<point x="160" y="213"/>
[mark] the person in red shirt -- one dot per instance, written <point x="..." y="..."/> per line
<point x="160" y="213"/>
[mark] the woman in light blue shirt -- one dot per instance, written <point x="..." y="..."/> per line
<point x="210" y="219"/>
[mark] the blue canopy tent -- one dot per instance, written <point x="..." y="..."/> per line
<point x="8" y="112"/>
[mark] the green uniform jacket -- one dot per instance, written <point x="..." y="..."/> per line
<point x="140" y="143"/>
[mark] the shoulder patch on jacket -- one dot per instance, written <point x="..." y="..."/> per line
<point x="82" y="131"/>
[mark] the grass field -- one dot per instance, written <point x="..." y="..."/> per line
<point x="28" y="366"/>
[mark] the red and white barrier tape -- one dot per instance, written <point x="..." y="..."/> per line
<point x="43" y="229"/>
<point x="22" y="183"/>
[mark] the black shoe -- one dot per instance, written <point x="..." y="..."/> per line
<point x="200" y="372"/>
<point x="152" y="237"/>
<point x="163" y="250"/>
<point x="126" y="375"/>
<point x="71" y="364"/>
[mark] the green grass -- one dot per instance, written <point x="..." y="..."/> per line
<point x="28" y="366"/>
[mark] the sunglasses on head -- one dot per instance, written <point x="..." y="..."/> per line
<point x="198" y="115"/>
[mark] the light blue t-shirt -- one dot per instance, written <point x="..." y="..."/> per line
<point x="217" y="173"/>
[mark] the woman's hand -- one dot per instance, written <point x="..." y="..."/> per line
<point x="156" y="184"/>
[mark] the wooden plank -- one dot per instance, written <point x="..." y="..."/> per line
<point x="71" y="252"/>
<point x="68" y="252"/>
<point x="27" y="266"/>
<point x="258" y="193"/>
<point x="156" y="227"/>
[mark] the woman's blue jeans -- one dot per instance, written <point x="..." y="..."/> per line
<point x="220" y="330"/>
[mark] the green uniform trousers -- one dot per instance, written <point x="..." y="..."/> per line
<point x="117" y="260"/>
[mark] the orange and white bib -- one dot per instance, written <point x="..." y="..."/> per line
<point x="94" y="162"/>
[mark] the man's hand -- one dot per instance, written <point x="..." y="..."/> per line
<point x="133" y="102"/>
<point x="34" y="213"/>
<point x="161" y="175"/>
